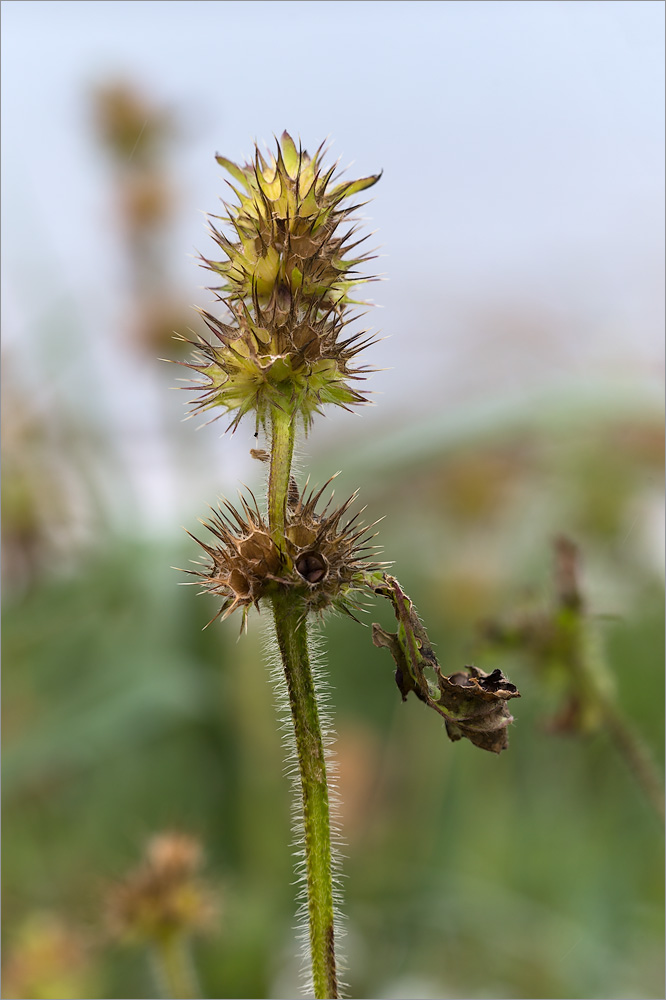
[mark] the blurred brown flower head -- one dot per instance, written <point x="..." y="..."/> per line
<point x="47" y="958"/>
<point x="165" y="895"/>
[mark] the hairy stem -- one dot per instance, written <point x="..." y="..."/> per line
<point x="174" y="969"/>
<point x="282" y="451"/>
<point x="291" y="632"/>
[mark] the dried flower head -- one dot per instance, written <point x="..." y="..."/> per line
<point x="331" y="560"/>
<point x="243" y="561"/>
<point x="324" y="562"/>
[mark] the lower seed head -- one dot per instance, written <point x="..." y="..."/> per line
<point x="323" y="562"/>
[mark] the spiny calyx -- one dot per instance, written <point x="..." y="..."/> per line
<point x="332" y="560"/>
<point x="296" y="362"/>
<point x="286" y="228"/>
<point x="325" y="563"/>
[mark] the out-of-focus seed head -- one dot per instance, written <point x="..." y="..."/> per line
<point x="175" y="853"/>
<point x="48" y="958"/>
<point x="164" y="895"/>
<point x="123" y="116"/>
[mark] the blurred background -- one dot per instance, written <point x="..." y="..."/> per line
<point x="519" y="397"/>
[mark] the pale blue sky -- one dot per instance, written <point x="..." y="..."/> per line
<point x="521" y="142"/>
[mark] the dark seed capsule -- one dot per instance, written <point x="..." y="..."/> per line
<point x="312" y="566"/>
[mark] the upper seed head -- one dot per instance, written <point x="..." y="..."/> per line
<point x="285" y="228"/>
<point x="286" y="283"/>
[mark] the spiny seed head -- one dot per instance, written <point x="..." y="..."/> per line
<point x="243" y="560"/>
<point x="297" y="362"/>
<point x="330" y="559"/>
<point x="286" y="284"/>
<point x="322" y="561"/>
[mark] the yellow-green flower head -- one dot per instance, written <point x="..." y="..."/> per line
<point x="286" y="228"/>
<point x="285" y="292"/>
<point x="292" y="358"/>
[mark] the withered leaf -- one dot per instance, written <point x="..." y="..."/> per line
<point x="473" y="703"/>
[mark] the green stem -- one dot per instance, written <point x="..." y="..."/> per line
<point x="174" y="969"/>
<point x="291" y="632"/>
<point x="282" y="451"/>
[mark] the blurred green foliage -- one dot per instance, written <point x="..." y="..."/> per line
<point x="534" y="874"/>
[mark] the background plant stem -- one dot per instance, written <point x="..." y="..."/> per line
<point x="591" y="664"/>
<point x="291" y="631"/>
<point x="174" y="969"/>
<point x="636" y="755"/>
